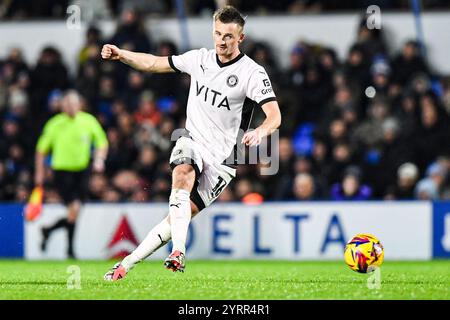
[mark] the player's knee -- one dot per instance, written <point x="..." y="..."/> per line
<point x="183" y="177"/>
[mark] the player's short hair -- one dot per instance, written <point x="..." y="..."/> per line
<point x="229" y="14"/>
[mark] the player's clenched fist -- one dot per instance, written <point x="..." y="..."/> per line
<point x="110" y="52"/>
<point x="252" y="138"/>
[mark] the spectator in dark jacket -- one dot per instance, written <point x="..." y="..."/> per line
<point x="351" y="188"/>
<point x="50" y="73"/>
<point x="408" y="63"/>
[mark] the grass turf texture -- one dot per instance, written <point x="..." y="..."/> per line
<point x="225" y="280"/>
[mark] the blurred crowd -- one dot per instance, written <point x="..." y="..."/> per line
<point x="107" y="9"/>
<point x="369" y="126"/>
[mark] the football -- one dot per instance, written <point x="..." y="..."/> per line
<point x="364" y="253"/>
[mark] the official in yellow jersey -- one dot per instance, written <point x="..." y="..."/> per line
<point x="69" y="136"/>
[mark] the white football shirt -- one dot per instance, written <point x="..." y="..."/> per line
<point x="221" y="98"/>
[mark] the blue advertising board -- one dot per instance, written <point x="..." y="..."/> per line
<point x="11" y="231"/>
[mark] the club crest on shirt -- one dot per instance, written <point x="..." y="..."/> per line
<point x="232" y="81"/>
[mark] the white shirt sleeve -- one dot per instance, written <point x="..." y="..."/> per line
<point x="259" y="88"/>
<point x="185" y="62"/>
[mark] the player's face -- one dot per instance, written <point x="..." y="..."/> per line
<point x="227" y="37"/>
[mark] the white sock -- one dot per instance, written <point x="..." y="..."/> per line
<point x="156" y="238"/>
<point x="180" y="216"/>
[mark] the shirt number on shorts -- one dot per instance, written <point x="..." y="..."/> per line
<point x="218" y="187"/>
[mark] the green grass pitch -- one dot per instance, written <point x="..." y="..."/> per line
<point x="225" y="280"/>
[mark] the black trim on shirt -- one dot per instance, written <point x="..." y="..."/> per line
<point x="262" y="102"/>
<point x="238" y="151"/>
<point x="173" y="66"/>
<point x="229" y="62"/>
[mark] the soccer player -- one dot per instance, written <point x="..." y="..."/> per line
<point x="69" y="136"/>
<point x="225" y="86"/>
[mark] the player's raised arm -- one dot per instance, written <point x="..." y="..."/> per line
<point x="140" y="61"/>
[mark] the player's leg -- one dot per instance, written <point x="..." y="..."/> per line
<point x="62" y="182"/>
<point x="183" y="179"/>
<point x="73" y="210"/>
<point x="212" y="181"/>
<point x="186" y="162"/>
<point x="78" y="188"/>
<point x="187" y="165"/>
<point x="155" y="239"/>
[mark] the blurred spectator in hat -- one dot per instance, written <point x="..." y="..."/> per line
<point x="438" y="173"/>
<point x="18" y="103"/>
<point x="407" y="176"/>
<point x="429" y="188"/>
<point x="350" y="187"/>
<point x="381" y="72"/>
<point x="426" y="190"/>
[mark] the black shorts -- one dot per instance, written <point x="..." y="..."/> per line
<point x="71" y="185"/>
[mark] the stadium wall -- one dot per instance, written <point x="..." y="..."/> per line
<point x="284" y="230"/>
<point x="282" y="32"/>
